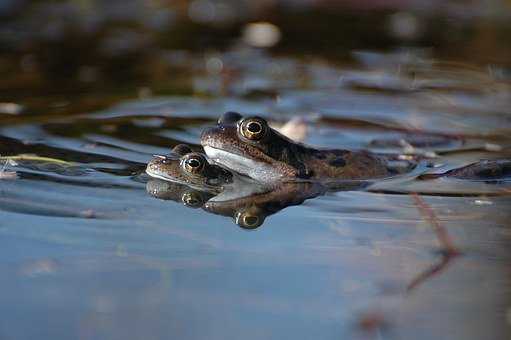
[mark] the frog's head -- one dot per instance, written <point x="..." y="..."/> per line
<point x="184" y="166"/>
<point x="248" y="145"/>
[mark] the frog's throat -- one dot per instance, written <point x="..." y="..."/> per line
<point x="244" y="165"/>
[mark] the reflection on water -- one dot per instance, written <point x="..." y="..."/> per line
<point x="247" y="205"/>
<point x="87" y="252"/>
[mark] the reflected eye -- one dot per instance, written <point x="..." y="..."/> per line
<point x="253" y="128"/>
<point x="248" y="220"/>
<point x="193" y="163"/>
<point x="192" y="200"/>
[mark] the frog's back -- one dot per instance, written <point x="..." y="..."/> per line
<point x="346" y="165"/>
<point x="483" y="170"/>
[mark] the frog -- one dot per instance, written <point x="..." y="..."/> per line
<point x="485" y="170"/>
<point x="185" y="166"/>
<point x="248" y="145"/>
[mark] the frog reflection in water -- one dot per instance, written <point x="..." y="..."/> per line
<point x="248" y="206"/>
<point x="249" y="146"/>
<point x="177" y="192"/>
<point x="250" y="211"/>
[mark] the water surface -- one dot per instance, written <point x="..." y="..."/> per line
<point x="87" y="252"/>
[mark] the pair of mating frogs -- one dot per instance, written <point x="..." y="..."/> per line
<point x="249" y="170"/>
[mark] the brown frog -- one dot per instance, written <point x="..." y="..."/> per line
<point x="483" y="170"/>
<point x="184" y="166"/>
<point x="251" y="147"/>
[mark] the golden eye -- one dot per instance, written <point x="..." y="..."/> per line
<point x="253" y="128"/>
<point x="248" y="220"/>
<point x="193" y="163"/>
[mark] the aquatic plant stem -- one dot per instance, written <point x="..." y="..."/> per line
<point x="450" y="251"/>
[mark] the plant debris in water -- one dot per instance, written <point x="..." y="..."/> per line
<point x="6" y="174"/>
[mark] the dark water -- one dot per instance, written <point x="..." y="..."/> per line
<point x="86" y="252"/>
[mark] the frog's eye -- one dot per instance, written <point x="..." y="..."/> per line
<point x="193" y="163"/>
<point x="248" y="220"/>
<point x="253" y="128"/>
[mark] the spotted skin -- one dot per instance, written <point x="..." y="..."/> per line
<point x="484" y="170"/>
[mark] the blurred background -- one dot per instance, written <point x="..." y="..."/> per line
<point x="109" y="50"/>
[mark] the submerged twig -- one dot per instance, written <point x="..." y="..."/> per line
<point x="440" y="231"/>
<point x="4" y="174"/>
<point x="450" y="251"/>
<point x="431" y="271"/>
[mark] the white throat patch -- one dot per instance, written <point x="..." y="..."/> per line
<point x="257" y="170"/>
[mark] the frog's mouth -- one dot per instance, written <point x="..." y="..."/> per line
<point x="157" y="168"/>
<point x="156" y="172"/>
<point x="160" y="175"/>
<point x="256" y="169"/>
<point x="231" y="160"/>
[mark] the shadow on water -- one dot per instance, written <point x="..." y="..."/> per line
<point x="101" y="250"/>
